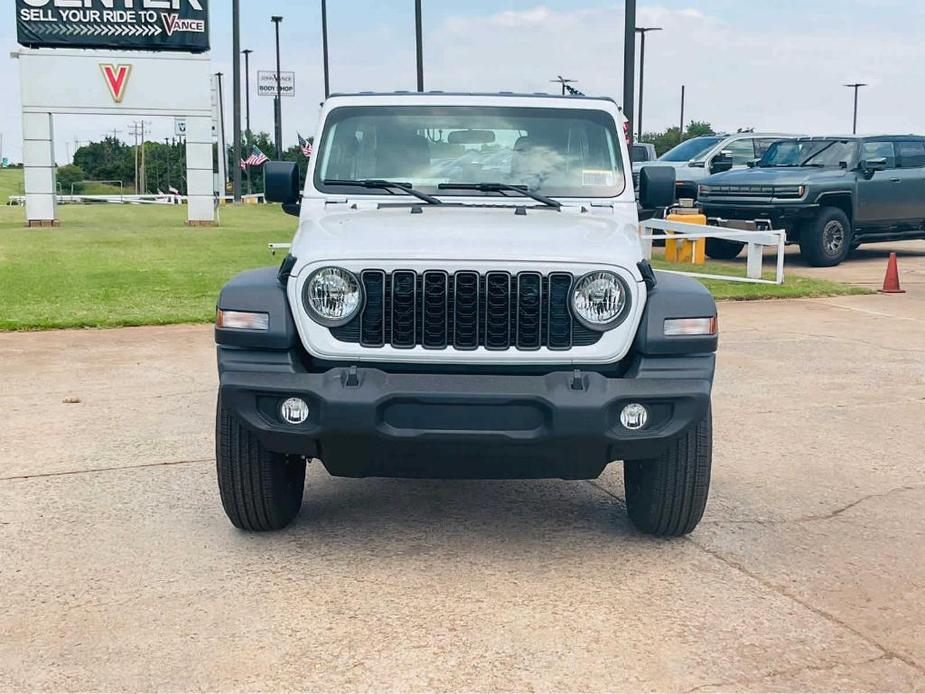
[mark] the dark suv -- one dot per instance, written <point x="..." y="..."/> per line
<point x="831" y="194"/>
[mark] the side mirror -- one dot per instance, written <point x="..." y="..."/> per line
<point x="281" y="184"/>
<point x="721" y="162"/>
<point x="872" y="166"/>
<point x="752" y="163"/>
<point x="656" y="187"/>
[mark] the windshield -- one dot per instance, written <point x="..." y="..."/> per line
<point x="808" y="153"/>
<point x="691" y="149"/>
<point x="553" y="151"/>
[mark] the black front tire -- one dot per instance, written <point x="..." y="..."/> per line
<point x="826" y="240"/>
<point x="260" y="489"/>
<point x="723" y="249"/>
<point x="666" y="496"/>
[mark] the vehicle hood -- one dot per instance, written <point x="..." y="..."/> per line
<point x="453" y="233"/>
<point x="791" y="175"/>
<point x="683" y="170"/>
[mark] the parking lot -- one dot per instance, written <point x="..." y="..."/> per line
<point x="119" y="570"/>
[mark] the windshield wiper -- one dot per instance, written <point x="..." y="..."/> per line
<point x="501" y="188"/>
<point x="390" y="186"/>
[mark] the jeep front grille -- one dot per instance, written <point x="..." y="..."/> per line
<point x="466" y="310"/>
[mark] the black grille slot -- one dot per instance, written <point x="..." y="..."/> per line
<point x="404" y="308"/>
<point x="560" y="318"/>
<point x="528" y="319"/>
<point x="497" y="310"/>
<point x="372" y="320"/>
<point x="435" y="309"/>
<point x="466" y="310"/>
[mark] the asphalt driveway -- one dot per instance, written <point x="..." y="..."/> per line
<point x="118" y="569"/>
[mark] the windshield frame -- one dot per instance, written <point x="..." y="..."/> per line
<point x="601" y="114"/>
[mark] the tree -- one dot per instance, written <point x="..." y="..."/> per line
<point x="666" y="139"/>
<point x="71" y="177"/>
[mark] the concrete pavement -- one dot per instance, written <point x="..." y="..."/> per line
<point x="118" y="569"/>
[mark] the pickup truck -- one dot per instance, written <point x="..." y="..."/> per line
<point x="697" y="158"/>
<point x="443" y="315"/>
<point x="830" y="194"/>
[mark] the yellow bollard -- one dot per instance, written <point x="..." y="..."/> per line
<point x="681" y="251"/>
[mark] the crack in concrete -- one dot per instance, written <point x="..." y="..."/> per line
<point x="115" y="468"/>
<point x="787" y="672"/>
<point x="885" y="651"/>
<point x="819" y="612"/>
<point x="818" y="517"/>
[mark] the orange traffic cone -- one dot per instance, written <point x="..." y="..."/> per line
<point x="891" y="280"/>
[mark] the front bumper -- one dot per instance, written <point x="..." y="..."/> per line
<point x="369" y="422"/>
<point x="783" y="215"/>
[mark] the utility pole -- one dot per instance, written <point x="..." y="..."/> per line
<point x="278" y="102"/>
<point x="236" y="96"/>
<point x="221" y="135"/>
<point x="629" y="60"/>
<point x="419" y="39"/>
<point x="247" y="99"/>
<point x="854" y="123"/>
<point x="324" y="46"/>
<point x="681" y="128"/>
<point x="167" y="153"/>
<point x="144" y="174"/>
<point x="563" y="81"/>
<point x="642" y="31"/>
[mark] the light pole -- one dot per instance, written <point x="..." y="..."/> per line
<point x="681" y="128"/>
<point x="277" y="102"/>
<point x="418" y="35"/>
<point x="629" y="60"/>
<point x="324" y="47"/>
<point x="854" y="123"/>
<point x="247" y="113"/>
<point x="236" y="97"/>
<point x="563" y="81"/>
<point x="642" y="31"/>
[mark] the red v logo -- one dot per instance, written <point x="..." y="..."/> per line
<point x="116" y="78"/>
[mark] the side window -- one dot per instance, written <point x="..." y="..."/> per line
<point x="877" y="150"/>
<point x="743" y="151"/>
<point x="911" y="155"/>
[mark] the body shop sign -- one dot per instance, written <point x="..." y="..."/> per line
<point x="146" y="25"/>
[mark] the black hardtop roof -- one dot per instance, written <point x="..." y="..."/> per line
<point x="434" y="92"/>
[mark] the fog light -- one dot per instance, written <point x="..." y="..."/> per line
<point x="634" y="416"/>
<point x="294" y="410"/>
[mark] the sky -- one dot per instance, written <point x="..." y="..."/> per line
<point x="775" y="66"/>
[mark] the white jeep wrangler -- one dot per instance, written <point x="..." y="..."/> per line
<point x="466" y="297"/>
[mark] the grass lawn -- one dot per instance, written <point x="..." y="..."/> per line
<point x="119" y="265"/>
<point x="11" y="181"/>
<point x="793" y="287"/>
<point x="113" y="265"/>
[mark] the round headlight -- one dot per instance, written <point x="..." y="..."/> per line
<point x="333" y="296"/>
<point x="599" y="300"/>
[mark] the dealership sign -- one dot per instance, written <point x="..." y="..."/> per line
<point x="147" y="25"/>
<point x="266" y="83"/>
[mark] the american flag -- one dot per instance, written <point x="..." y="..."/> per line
<point x="305" y="146"/>
<point x="243" y="165"/>
<point x="256" y="158"/>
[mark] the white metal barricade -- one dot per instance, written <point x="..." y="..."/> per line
<point x="754" y="241"/>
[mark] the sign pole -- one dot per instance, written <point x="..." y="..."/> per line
<point x="629" y="61"/>
<point x="278" y="106"/>
<point x="236" y="88"/>
<point x="247" y="100"/>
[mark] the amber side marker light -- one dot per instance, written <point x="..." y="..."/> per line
<point x="691" y="327"/>
<point x="242" y="320"/>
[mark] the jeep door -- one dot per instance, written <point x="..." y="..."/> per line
<point x="911" y="154"/>
<point x="881" y="195"/>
